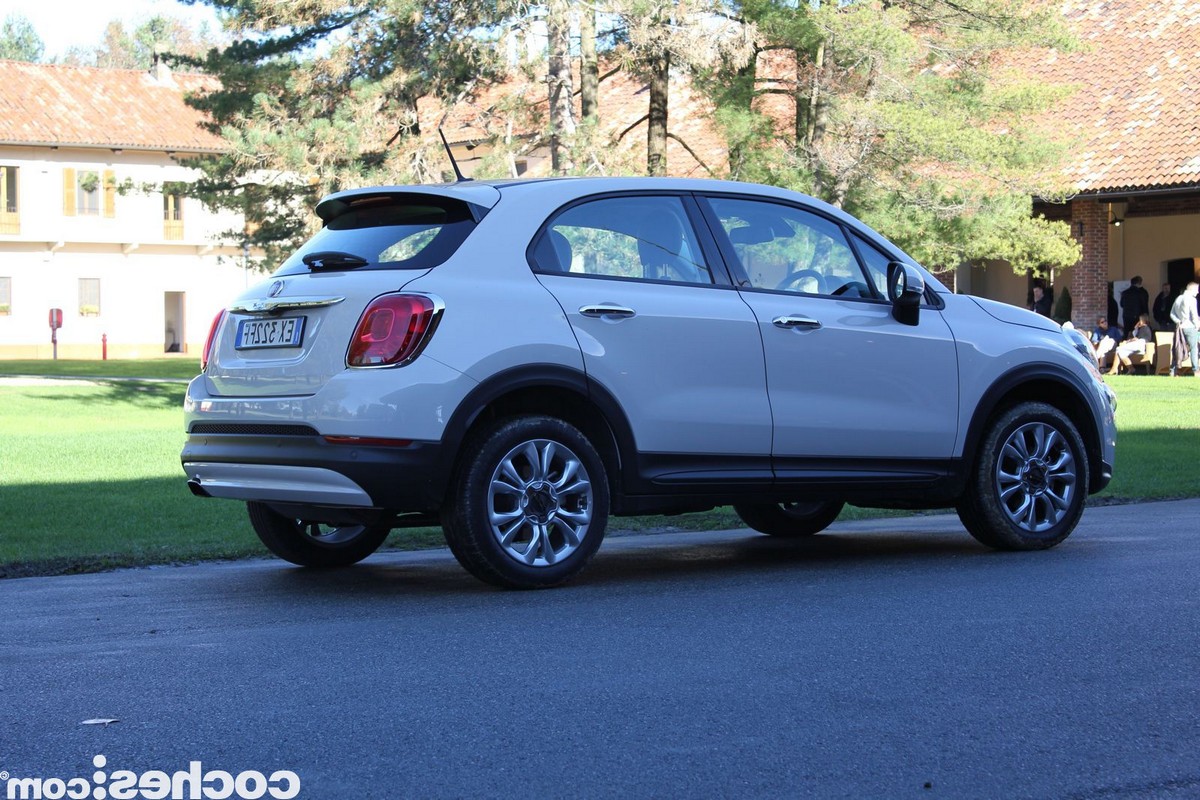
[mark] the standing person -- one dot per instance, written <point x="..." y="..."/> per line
<point x="1162" y="309"/>
<point x="1041" y="301"/>
<point x="1187" y="324"/>
<point x="1135" y="301"/>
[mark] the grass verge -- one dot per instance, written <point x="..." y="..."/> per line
<point x="90" y="476"/>
<point x="157" y="368"/>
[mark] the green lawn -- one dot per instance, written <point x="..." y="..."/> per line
<point x="183" y="368"/>
<point x="1158" y="437"/>
<point x="90" y="475"/>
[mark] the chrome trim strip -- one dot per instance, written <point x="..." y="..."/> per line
<point x="269" y="305"/>
<point x="267" y="482"/>
<point x="795" y="322"/>
<point x="607" y="310"/>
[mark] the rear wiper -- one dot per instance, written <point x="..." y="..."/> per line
<point x="333" y="259"/>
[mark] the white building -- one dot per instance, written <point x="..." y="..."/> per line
<point x="88" y="221"/>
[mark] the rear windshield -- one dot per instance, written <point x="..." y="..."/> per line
<point x="417" y="232"/>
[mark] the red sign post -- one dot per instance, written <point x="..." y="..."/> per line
<point x="55" y="324"/>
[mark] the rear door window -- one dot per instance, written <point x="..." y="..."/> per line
<point x="640" y="238"/>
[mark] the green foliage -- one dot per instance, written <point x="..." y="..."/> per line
<point x="19" y="41"/>
<point x="157" y="37"/>
<point x="1062" y="306"/>
<point x="314" y="101"/>
<point x="912" y="116"/>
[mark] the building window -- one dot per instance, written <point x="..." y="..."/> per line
<point x="89" y="193"/>
<point x="5" y="296"/>
<point x="172" y="212"/>
<point x="10" y="220"/>
<point x="89" y="297"/>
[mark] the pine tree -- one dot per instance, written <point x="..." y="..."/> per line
<point x="685" y="34"/>
<point x="157" y="37"/>
<point x="318" y="97"/>
<point x="912" y="115"/>
<point x="19" y="41"/>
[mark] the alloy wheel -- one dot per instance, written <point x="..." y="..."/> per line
<point x="540" y="502"/>
<point x="1036" y="477"/>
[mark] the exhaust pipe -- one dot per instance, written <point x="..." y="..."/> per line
<point x="197" y="489"/>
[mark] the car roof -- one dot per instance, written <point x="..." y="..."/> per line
<point x="488" y="192"/>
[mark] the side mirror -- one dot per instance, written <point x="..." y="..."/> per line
<point x="906" y="289"/>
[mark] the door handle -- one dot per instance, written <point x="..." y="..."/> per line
<point x="607" y="310"/>
<point x="795" y="322"/>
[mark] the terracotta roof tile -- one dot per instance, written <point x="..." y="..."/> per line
<point x="85" y="106"/>
<point x="1137" y="110"/>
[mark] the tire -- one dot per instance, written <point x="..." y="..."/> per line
<point x="529" y="503"/>
<point x="790" y="520"/>
<point x="312" y="544"/>
<point x="1029" y="484"/>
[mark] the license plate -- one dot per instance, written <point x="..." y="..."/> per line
<point x="277" y="332"/>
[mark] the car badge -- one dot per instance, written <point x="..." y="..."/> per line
<point x="275" y="289"/>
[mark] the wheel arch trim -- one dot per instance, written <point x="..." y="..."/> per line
<point x="534" y="376"/>
<point x="1078" y="408"/>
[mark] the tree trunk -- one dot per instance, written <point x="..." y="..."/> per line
<point x="824" y="183"/>
<point x="742" y="97"/>
<point x="816" y="102"/>
<point x="562" y="113"/>
<point x="803" y="98"/>
<point x="589" y="64"/>
<point x="656" y="128"/>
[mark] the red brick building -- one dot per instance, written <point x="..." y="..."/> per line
<point x="1136" y="117"/>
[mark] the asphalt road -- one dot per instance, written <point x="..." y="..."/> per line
<point x="884" y="659"/>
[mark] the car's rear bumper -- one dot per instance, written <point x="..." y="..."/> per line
<point x="311" y="470"/>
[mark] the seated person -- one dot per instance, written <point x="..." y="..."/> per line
<point x="1141" y="335"/>
<point x="1104" y="338"/>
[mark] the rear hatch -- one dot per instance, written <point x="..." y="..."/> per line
<point x="290" y="334"/>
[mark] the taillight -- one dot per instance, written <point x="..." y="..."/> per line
<point x="211" y="341"/>
<point x="393" y="330"/>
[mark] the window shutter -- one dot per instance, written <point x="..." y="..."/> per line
<point x="110" y="193"/>
<point x="69" y="191"/>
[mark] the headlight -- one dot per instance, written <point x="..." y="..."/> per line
<point x="1080" y="343"/>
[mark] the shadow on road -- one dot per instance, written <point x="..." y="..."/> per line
<point x="651" y="562"/>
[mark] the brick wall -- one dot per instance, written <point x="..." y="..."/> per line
<point x="1089" y="277"/>
<point x="1163" y="206"/>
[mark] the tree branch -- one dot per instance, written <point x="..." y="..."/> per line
<point x="644" y="118"/>
<point x="599" y="80"/>
<point x="692" y="153"/>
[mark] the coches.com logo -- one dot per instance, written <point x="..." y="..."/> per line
<point x="194" y="783"/>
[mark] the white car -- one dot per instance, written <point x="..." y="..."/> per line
<point x="521" y="359"/>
